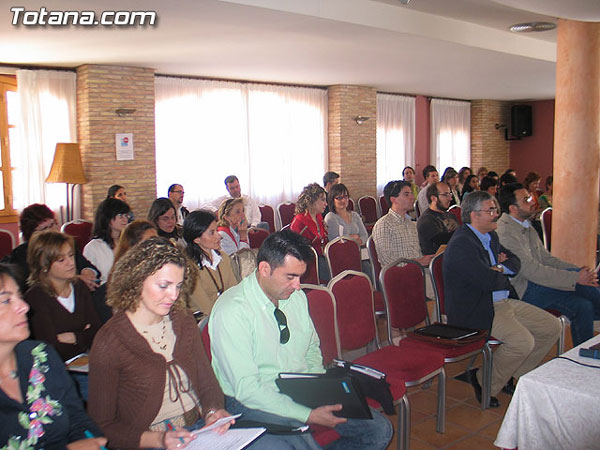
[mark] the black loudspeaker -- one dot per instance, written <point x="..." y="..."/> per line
<point x="520" y="120"/>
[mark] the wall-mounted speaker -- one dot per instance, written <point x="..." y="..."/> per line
<point x="520" y="120"/>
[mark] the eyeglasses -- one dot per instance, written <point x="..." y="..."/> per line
<point x="527" y="199"/>
<point x="179" y="192"/>
<point x="47" y="227"/>
<point x="492" y="211"/>
<point x="122" y="216"/>
<point x="444" y="194"/>
<point x="284" y="331"/>
<point x="341" y="197"/>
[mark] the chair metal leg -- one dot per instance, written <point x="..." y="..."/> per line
<point x="403" y="438"/>
<point x="560" y="348"/>
<point x="441" y="406"/>
<point x="486" y="378"/>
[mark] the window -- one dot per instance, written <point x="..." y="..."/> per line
<point x="450" y="134"/>
<point x="9" y="113"/>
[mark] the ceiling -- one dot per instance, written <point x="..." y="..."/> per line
<point x="444" y="48"/>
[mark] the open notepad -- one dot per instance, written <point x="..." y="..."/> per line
<point x="232" y="439"/>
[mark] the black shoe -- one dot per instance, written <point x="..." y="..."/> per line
<point x="509" y="387"/>
<point x="472" y="374"/>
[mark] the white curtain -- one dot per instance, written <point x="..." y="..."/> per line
<point x="48" y="116"/>
<point x="395" y="137"/>
<point x="273" y="138"/>
<point x="450" y="134"/>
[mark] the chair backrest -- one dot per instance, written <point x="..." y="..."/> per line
<point x="367" y="206"/>
<point x="375" y="265"/>
<point x="384" y="206"/>
<point x="81" y="230"/>
<point x="256" y="236"/>
<point x="350" y="204"/>
<point x="437" y="276"/>
<point x="342" y="253"/>
<point x="286" y="212"/>
<point x="321" y="306"/>
<point x="203" y="326"/>
<point x="547" y="227"/>
<point x="456" y="211"/>
<point x="403" y="284"/>
<point x="355" y="313"/>
<point x="267" y="214"/>
<point x="311" y="276"/>
<point x="7" y="243"/>
<point x="243" y="263"/>
<point x="417" y="209"/>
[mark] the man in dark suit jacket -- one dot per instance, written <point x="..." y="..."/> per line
<point x="476" y="270"/>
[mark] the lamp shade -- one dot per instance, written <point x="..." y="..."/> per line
<point x="67" y="167"/>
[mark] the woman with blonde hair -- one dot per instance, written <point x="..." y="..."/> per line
<point x="204" y="248"/>
<point x="233" y="226"/>
<point x="149" y="374"/>
<point x="62" y="312"/>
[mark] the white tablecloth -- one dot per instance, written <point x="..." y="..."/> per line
<point x="556" y="406"/>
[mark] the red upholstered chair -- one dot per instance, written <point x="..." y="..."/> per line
<point x="357" y="330"/>
<point x="80" y="229"/>
<point x="322" y="307"/>
<point x="267" y="214"/>
<point x="546" y="220"/>
<point x="286" y="212"/>
<point x="256" y="236"/>
<point x="7" y="242"/>
<point x="367" y="206"/>
<point x="384" y="207"/>
<point x="375" y="265"/>
<point x="437" y="276"/>
<point x="456" y="211"/>
<point x="311" y="276"/>
<point x="417" y="209"/>
<point x="350" y="204"/>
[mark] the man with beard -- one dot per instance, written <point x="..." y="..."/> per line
<point x="262" y="327"/>
<point x="546" y="281"/>
<point x="435" y="226"/>
<point x="476" y="271"/>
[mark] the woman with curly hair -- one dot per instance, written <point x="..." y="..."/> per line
<point x="233" y="226"/>
<point x="308" y="222"/>
<point x="204" y="248"/>
<point x="148" y="367"/>
<point x="62" y="312"/>
<point x="164" y="217"/>
<point x="110" y="219"/>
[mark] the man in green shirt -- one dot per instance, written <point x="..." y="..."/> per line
<point x="262" y="327"/>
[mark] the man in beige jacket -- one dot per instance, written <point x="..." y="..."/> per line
<point x="546" y="281"/>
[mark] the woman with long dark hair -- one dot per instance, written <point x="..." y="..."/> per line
<point x="164" y="217"/>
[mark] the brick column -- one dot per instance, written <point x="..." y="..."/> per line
<point x="352" y="147"/>
<point x="101" y="90"/>
<point x="488" y="146"/>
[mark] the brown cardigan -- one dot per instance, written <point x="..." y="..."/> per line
<point x="127" y="379"/>
<point x="205" y="293"/>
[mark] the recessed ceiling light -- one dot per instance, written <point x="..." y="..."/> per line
<point x="529" y="27"/>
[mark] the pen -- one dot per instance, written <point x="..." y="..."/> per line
<point x="89" y="435"/>
<point x="170" y="427"/>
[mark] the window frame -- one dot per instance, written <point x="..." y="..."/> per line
<point x="8" y="214"/>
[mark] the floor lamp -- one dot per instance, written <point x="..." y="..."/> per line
<point x="67" y="168"/>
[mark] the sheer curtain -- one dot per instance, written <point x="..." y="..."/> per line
<point x="395" y="137"/>
<point x="48" y="116"/>
<point x="450" y="134"/>
<point x="273" y="138"/>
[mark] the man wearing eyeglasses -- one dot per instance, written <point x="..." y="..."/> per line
<point x="544" y="280"/>
<point x="262" y="327"/>
<point x="476" y="271"/>
<point x="436" y="226"/>
<point x="176" y="194"/>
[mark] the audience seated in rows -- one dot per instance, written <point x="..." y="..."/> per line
<point x="233" y="226"/>
<point x="546" y="281"/>
<point x="471" y="185"/>
<point x="329" y="179"/>
<point x="262" y="327"/>
<point x="489" y="184"/>
<point x="251" y="210"/>
<point x="431" y="176"/>
<point x="436" y="226"/>
<point x="117" y="191"/>
<point x="110" y="219"/>
<point x="450" y="177"/>
<point x="163" y="215"/>
<point x="148" y="367"/>
<point x="36" y="218"/>
<point x="476" y="270"/>
<point x="175" y="194"/>
<point x="545" y="200"/>
<point x="463" y="173"/>
<point x="408" y="175"/>
<point x="340" y="220"/>
<point x="36" y="377"/>
<point x="204" y="249"/>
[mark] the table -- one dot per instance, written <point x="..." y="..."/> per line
<point x="555" y="406"/>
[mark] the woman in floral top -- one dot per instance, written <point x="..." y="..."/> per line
<point x="39" y="406"/>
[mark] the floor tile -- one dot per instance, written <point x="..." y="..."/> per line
<point x="425" y="431"/>
<point x="470" y="417"/>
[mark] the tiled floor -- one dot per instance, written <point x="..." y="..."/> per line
<point x="467" y="426"/>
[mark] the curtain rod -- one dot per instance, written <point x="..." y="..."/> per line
<point x="190" y="77"/>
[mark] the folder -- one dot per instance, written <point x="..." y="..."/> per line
<point x="316" y="389"/>
<point x="444" y="331"/>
